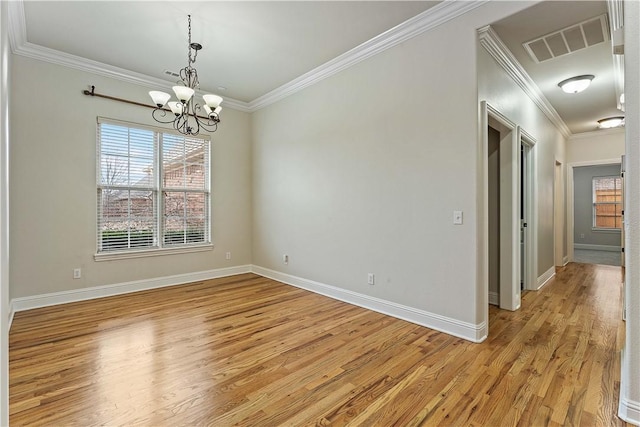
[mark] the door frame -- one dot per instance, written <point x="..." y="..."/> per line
<point x="531" y="210"/>
<point x="509" y="209"/>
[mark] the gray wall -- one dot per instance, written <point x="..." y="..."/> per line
<point x="583" y="206"/>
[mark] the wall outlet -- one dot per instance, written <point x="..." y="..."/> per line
<point x="77" y="273"/>
<point x="228" y="255"/>
<point x="371" y="279"/>
<point x="582" y="235"/>
<point x="285" y="258"/>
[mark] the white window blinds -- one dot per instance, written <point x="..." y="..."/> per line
<point x="153" y="188"/>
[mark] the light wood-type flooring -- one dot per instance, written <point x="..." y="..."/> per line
<point x="249" y="351"/>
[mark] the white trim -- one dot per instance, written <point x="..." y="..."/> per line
<point x="490" y="40"/>
<point x="494" y="298"/>
<point x="425" y="21"/>
<point x="629" y="411"/>
<point x="64" y="297"/>
<point x="12" y="312"/>
<point x="472" y="332"/>
<point x="607" y="248"/>
<point x="546" y="276"/>
<point x="565" y="261"/>
<point x="594" y="133"/>
<point x="111" y="256"/>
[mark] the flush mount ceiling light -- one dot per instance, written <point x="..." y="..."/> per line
<point x="185" y="118"/>
<point x="576" y="84"/>
<point x="611" y="122"/>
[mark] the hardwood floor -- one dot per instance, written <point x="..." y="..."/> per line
<point x="249" y="351"/>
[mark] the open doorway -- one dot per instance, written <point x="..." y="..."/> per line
<point x="502" y="209"/>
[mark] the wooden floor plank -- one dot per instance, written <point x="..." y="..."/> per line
<point x="246" y="350"/>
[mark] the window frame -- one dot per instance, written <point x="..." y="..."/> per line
<point x="159" y="190"/>
<point x="594" y="204"/>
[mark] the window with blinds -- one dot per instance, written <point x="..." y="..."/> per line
<point x="153" y="189"/>
<point x="607" y="202"/>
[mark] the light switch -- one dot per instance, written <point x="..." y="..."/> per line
<point x="457" y="217"/>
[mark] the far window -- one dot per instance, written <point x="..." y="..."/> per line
<point x="607" y="202"/>
<point x="153" y="189"/>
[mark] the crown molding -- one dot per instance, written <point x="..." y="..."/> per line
<point x="596" y="133"/>
<point x="20" y="46"/>
<point x="490" y="40"/>
<point x="427" y="20"/>
<point x="616" y="22"/>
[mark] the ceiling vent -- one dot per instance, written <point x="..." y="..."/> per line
<point x="568" y="40"/>
<point x="171" y="73"/>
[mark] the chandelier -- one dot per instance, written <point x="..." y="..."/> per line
<point x="185" y="111"/>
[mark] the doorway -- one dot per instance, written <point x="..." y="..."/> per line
<point x="501" y="161"/>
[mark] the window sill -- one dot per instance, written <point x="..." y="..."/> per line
<point x="111" y="256"/>
<point x="606" y="230"/>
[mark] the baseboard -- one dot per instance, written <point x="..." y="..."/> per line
<point x="494" y="298"/>
<point x="12" y="311"/>
<point x="565" y="261"/>
<point x="629" y="411"/>
<point x="607" y="248"/>
<point x="467" y="331"/>
<point x="546" y="276"/>
<point x="46" y="300"/>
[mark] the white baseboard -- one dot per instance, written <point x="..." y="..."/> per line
<point x="629" y="411"/>
<point x="12" y="311"/>
<point x="565" y="261"/>
<point x="46" y="300"/>
<point x="494" y="298"/>
<point x="468" y="331"/>
<point x="597" y="247"/>
<point x="546" y="276"/>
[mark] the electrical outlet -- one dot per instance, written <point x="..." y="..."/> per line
<point x="371" y="279"/>
<point x="582" y="235"/>
<point x="77" y="273"/>
<point x="228" y="255"/>
<point x="285" y="258"/>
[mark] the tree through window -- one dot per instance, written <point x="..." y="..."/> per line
<point x="153" y="189"/>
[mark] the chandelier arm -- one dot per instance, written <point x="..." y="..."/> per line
<point x="155" y="114"/>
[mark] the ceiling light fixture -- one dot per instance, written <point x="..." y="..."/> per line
<point x="185" y="111"/>
<point x="576" y="84"/>
<point x="611" y="122"/>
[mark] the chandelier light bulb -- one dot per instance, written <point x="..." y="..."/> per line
<point x="576" y="84"/>
<point x="176" y="108"/>
<point x="159" y="98"/>
<point x="183" y="93"/>
<point x="213" y="101"/>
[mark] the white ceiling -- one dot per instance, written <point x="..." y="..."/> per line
<point x="579" y="111"/>
<point x="249" y="47"/>
<point x="252" y="48"/>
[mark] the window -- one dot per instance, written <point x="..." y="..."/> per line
<point x="607" y="202"/>
<point x="153" y="189"/>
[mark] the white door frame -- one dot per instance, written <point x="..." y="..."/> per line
<point x="570" y="198"/>
<point x="558" y="216"/>
<point x="531" y="210"/>
<point x="509" y="209"/>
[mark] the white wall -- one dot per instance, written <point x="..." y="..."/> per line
<point x="5" y="60"/>
<point x="361" y="173"/>
<point x="630" y="383"/>
<point x="595" y="146"/>
<point x="53" y="184"/>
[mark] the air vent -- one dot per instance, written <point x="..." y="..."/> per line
<point x="171" y="73"/>
<point x="568" y="40"/>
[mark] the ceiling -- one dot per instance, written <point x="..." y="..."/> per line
<point x="579" y="111"/>
<point x="253" y="48"/>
